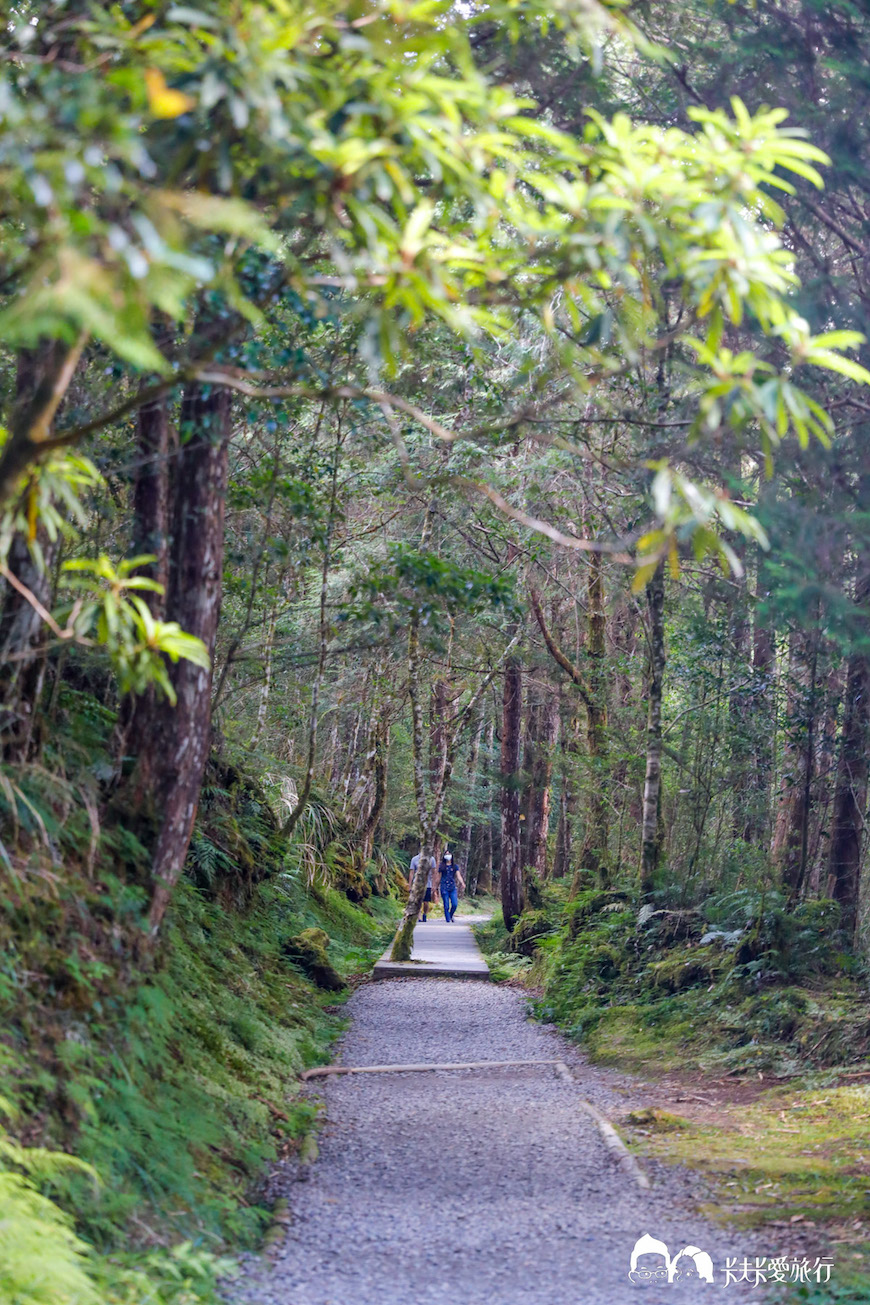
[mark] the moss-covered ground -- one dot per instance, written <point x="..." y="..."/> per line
<point x="182" y="1089"/>
<point x="171" y="1072"/>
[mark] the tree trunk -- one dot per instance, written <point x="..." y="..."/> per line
<point x="792" y="823"/>
<point x="850" y="794"/>
<point x="757" y="828"/>
<point x="265" y="691"/>
<point x="404" y="939"/>
<point x="511" y="871"/>
<point x="379" y="752"/>
<point x="464" y="840"/>
<point x="179" y="739"/>
<point x="596" y="850"/>
<point x="592" y="687"/>
<point x="151" y="497"/>
<point x="484" y="874"/>
<point x="22" y="665"/>
<point x="650" y="835"/>
<point x="437" y="750"/>
<point x="155" y="439"/>
<point x="542" y="728"/>
<point x="568" y="734"/>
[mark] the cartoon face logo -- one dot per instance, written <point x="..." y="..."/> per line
<point x="650" y="1262"/>
<point x="692" y="1265"/>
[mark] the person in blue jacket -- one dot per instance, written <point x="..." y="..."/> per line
<point x="450" y="876"/>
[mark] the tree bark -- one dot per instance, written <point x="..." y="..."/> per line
<point x="568" y="733"/>
<point x="791" y="835"/>
<point x="484" y="874"/>
<point x="542" y="728"/>
<point x="266" y="688"/>
<point x="850" y="794"/>
<point x="650" y="835"/>
<point x="464" y="840"/>
<point x="757" y="828"/>
<point x="151" y="495"/>
<point x="511" y="871"/>
<point x="379" y="753"/>
<point x="179" y="740"/>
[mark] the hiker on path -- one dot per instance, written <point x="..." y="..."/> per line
<point x="428" y="896"/>
<point x="450" y="876"/>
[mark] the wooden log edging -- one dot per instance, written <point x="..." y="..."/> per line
<point x="609" y="1135"/>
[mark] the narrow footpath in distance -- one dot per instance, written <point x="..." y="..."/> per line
<point x="484" y="1186"/>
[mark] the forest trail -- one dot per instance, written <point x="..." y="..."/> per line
<point x="469" y="1187"/>
<point x="439" y="949"/>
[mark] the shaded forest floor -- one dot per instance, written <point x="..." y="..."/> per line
<point x="751" y="1046"/>
<point x="174" y="1074"/>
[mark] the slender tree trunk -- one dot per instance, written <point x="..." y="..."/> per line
<point x="542" y="728"/>
<point x="151" y="497"/>
<point x="404" y="939"/>
<point x="850" y="794"/>
<point x="568" y="735"/>
<point x="265" y="691"/>
<point x="596" y="850"/>
<point x="592" y="688"/>
<point x="464" y="840"/>
<point x="511" y="871"/>
<point x="757" y="828"/>
<point x="650" y="838"/>
<point x="484" y="874"/>
<point x="437" y="749"/>
<point x="739" y="671"/>
<point x="792" y="824"/>
<point x="379" y="752"/>
<point x="180" y="736"/>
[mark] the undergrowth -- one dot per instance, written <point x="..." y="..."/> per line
<point x="144" y="1095"/>
<point x="743" y="986"/>
<point x="760" y="1007"/>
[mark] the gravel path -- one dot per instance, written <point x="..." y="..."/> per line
<point x="484" y="1187"/>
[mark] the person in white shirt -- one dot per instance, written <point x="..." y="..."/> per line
<point x="429" y="895"/>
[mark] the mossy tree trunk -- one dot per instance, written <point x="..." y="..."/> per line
<point x="791" y="835"/>
<point x="487" y="858"/>
<point x="652" y="786"/>
<point x="757" y="828"/>
<point x="850" y="794"/>
<point x="542" y="729"/>
<point x="511" y="868"/>
<point x="179" y="738"/>
<point x="378" y="758"/>
<point x="465" y="833"/>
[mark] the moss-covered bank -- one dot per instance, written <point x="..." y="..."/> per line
<point x="754" y="1022"/>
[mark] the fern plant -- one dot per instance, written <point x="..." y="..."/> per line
<point x="42" y="1261"/>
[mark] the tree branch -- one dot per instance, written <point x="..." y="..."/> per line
<point x="574" y="672"/>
